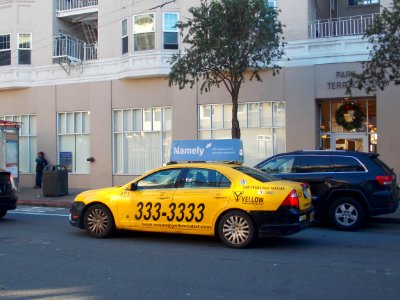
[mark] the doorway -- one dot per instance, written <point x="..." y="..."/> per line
<point x="353" y="142"/>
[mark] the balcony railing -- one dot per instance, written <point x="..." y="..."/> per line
<point x="63" y="5"/>
<point x="65" y="46"/>
<point x="344" y="26"/>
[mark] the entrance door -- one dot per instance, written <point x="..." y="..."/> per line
<point x="354" y="142"/>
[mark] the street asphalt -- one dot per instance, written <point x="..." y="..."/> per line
<point x="35" y="197"/>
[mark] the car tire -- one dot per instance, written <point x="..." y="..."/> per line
<point x="236" y="229"/>
<point x="3" y="212"/>
<point x="98" y="221"/>
<point x="347" y="214"/>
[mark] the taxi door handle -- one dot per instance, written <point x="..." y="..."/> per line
<point x="219" y="196"/>
<point x="163" y="196"/>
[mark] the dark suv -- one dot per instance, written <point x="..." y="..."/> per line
<point x="347" y="187"/>
<point x="8" y="193"/>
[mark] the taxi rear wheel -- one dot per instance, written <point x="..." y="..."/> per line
<point x="237" y="230"/>
<point x="99" y="221"/>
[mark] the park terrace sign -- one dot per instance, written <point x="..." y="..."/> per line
<point x="207" y="150"/>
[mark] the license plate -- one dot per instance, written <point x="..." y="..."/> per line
<point x="305" y="217"/>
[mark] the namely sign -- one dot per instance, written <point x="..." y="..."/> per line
<point x="207" y="150"/>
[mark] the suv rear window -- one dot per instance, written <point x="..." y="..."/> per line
<point x="384" y="166"/>
<point x="347" y="164"/>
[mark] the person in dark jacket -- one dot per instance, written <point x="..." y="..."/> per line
<point x="41" y="163"/>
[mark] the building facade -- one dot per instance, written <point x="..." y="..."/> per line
<point x="87" y="79"/>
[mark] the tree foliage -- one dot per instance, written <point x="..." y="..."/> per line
<point x="223" y="40"/>
<point x="383" y="66"/>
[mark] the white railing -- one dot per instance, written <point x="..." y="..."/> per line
<point x="343" y="26"/>
<point x="67" y="46"/>
<point x="75" y="4"/>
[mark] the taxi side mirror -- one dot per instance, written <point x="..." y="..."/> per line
<point x="133" y="186"/>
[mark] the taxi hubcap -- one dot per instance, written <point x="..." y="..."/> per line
<point x="346" y="214"/>
<point x="236" y="230"/>
<point x="97" y="221"/>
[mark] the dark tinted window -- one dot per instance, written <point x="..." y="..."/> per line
<point x="24" y="57"/>
<point x="196" y="178"/>
<point x="314" y="164"/>
<point x="256" y="174"/>
<point x="5" y="58"/>
<point x="163" y="179"/>
<point x="282" y="164"/>
<point x="347" y="164"/>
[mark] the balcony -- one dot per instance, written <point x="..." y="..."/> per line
<point x="77" y="10"/>
<point x="344" y="26"/>
<point x="71" y="49"/>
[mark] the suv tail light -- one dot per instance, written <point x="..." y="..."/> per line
<point x="13" y="186"/>
<point x="385" y="180"/>
<point x="291" y="200"/>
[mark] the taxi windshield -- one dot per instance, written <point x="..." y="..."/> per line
<point x="256" y="174"/>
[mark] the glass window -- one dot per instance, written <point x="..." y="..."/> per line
<point x="144" y="32"/>
<point x="282" y="164"/>
<point x="362" y="2"/>
<point x="124" y="36"/>
<point x="143" y="142"/>
<point x="24" y="48"/>
<point x="163" y="179"/>
<point x="74" y="138"/>
<point x="5" y="50"/>
<point x="197" y="178"/>
<point x="253" y="114"/>
<point x="217" y="116"/>
<point x="170" y="31"/>
<point x="346" y="164"/>
<point x="314" y="164"/>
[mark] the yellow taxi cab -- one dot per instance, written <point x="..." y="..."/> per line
<point x="234" y="203"/>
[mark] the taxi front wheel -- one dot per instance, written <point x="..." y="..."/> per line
<point x="237" y="230"/>
<point x="98" y="221"/>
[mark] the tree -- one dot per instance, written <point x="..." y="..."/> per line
<point x="383" y="66"/>
<point x="224" y="40"/>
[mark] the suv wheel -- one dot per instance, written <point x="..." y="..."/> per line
<point x="347" y="214"/>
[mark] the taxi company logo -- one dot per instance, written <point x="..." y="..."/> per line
<point x="252" y="200"/>
<point x="237" y="195"/>
<point x="194" y="151"/>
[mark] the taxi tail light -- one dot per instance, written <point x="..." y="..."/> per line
<point x="384" y="180"/>
<point x="292" y="200"/>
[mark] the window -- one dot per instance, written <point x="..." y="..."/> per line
<point x="362" y="2"/>
<point x="170" y="31"/>
<point x="346" y="164"/>
<point x="74" y="140"/>
<point x="164" y="179"/>
<point x="142" y="138"/>
<point x="271" y="3"/>
<point x="283" y="164"/>
<point x="27" y="141"/>
<point x="5" y="50"/>
<point x="144" y="32"/>
<point x="262" y="126"/>
<point x="24" y="48"/>
<point x="314" y="164"/>
<point x="197" y="178"/>
<point x="124" y="36"/>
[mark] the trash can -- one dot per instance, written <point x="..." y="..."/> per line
<point x="55" y="180"/>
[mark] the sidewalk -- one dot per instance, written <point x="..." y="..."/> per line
<point x="34" y="197"/>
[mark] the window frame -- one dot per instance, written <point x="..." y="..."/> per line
<point x="6" y="50"/>
<point x="25" y="49"/>
<point x="153" y="31"/>
<point x="172" y="30"/>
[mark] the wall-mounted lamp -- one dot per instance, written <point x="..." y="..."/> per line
<point x="90" y="159"/>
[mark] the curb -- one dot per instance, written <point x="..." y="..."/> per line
<point x="64" y="204"/>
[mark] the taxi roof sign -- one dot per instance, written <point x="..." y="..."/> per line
<point x="225" y="150"/>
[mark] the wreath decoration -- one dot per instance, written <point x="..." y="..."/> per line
<point x="349" y="115"/>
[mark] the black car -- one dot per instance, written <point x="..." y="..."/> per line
<point x="8" y="193"/>
<point x="347" y="187"/>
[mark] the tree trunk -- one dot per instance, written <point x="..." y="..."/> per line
<point x="235" y="122"/>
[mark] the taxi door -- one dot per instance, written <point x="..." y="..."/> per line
<point x="146" y="203"/>
<point x="203" y="195"/>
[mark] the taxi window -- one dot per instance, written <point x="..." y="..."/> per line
<point x="163" y="179"/>
<point x="256" y="174"/>
<point x="198" y="178"/>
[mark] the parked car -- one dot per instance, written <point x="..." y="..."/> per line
<point x="8" y="193"/>
<point x="234" y="203"/>
<point x="347" y="187"/>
